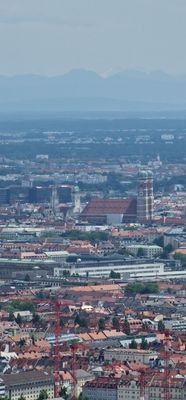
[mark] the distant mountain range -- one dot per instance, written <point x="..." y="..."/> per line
<point x="81" y="90"/>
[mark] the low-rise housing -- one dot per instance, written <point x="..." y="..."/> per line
<point x="142" y="356"/>
<point x="148" y="251"/>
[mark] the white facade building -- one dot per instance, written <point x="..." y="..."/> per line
<point x="127" y="270"/>
<point x="131" y="355"/>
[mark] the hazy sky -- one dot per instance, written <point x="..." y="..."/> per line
<point x="53" y="36"/>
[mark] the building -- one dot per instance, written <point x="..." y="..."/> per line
<point x="175" y="324"/>
<point x="40" y="194"/>
<point x="59" y="256"/>
<point x="128" y="269"/>
<point x="101" y="388"/>
<point x="156" y="388"/>
<point x="149" y="251"/>
<point x="145" y="197"/>
<point x="64" y="193"/>
<point x="110" y="211"/>
<point x="81" y="378"/>
<point x="28" y="384"/>
<point x="9" y="268"/>
<point x="4" y="196"/>
<point x="129" y="210"/>
<point x="128" y="388"/>
<point x="131" y="355"/>
<point x="126" y="341"/>
<point x="18" y="194"/>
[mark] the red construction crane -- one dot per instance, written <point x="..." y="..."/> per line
<point x="57" y="349"/>
<point x="166" y="367"/>
<point x="74" y="385"/>
<point x="57" y="360"/>
<point x="165" y="376"/>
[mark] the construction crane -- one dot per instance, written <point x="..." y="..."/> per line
<point x="57" y="349"/>
<point x="57" y="361"/>
<point x="74" y="384"/>
<point x="165" y="375"/>
<point x="166" y="367"/>
<point x="57" y="303"/>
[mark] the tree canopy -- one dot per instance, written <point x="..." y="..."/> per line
<point x="115" y="275"/>
<point x="142" y="288"/>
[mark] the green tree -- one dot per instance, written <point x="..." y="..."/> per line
<point x="19" y="319"/>
<point x="22" y="342"/>
<point x="62" y="322"/>
<point x="101" y="324"/>
<point x="11" y="316"/>
<point x="133" y="288"/>
<point x="18" y="305"/>
<point x="133" y="344"/>
<point x="36" y="319"/>
<point x="66" y="273"/>
<point x="126" y="327"/>
<point x="161" y="326"/>
<point x="115" y="323"/>
<point x="167" y="250"/>
<point x="64" y="393"/>
<point x="181" y="257"/>
<point x="43" y="395"/>
<point x="21" y="397"/>
<point x="114" y="275"/>
<point x="142" y="288"/>
<point x="159" y="241"/>
<point x="27" y="278"/>
<point x="144" y="344"/>
<point x="81" y="397"/>
<point x="81" y="321"/>
<point x="123" y="251"/>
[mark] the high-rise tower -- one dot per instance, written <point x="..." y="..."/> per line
<point x="145" y="198"/>
<point x="150" y="195"/>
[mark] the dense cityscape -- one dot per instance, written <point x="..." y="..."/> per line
<point x="92" y="200"/>
<point x="93" y="260"/>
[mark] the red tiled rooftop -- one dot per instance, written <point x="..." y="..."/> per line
<point x="84" y="336"/>
<point x="110" y="206"/>
<point x="97" y="335"/>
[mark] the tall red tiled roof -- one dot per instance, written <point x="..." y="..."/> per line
<point x="110" y="206"/>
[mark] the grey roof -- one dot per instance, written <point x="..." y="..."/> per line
<point x="23" y="378"/>
<point x="82" y="374"/>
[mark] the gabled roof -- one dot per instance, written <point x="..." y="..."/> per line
<point x="110" y="206"/>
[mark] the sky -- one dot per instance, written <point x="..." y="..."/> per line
<point x="51" y="37"/>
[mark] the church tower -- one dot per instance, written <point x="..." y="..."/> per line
<point x="145" y="197"/>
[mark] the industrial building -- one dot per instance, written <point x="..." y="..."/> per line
<point x="128" y="269"/>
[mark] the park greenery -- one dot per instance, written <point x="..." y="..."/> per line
<point x="180" y="257"/>
<point x="141" y="288"/>
<point x="90" y="236"/>
<point x="18" y="305"/>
